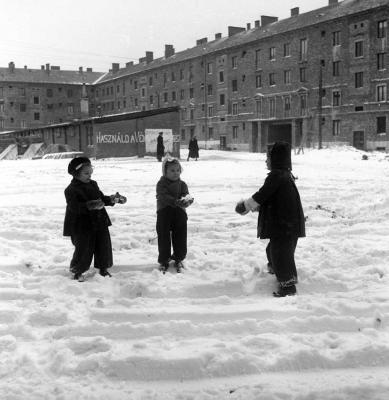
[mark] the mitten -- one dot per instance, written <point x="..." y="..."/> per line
<point x="95" y="204"/>
<point x="118" y="198"/>
<point x="240" y="208"/>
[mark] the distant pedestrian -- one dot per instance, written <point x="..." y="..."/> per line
<point x="172" y="200"/>
<point x="281" y="217"/>
<point x="160" y="147"/>
<point x="193" y="148"/>
<point x="87" y="221"/>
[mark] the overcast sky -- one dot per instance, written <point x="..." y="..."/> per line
<point x="95" y="33"/>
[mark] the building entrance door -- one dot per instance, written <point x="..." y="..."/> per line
<point x="359" y="140"/>
<point x="223" y="142"/>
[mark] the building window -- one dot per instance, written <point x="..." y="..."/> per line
<point x="303" y="74"/>
<point x="1" y="107"/>
<point x="23" y="124"/>
<point x="136" y="102"/>
<point x="182" y="94"/>
<point x="151" y="99"/>
<point x="234" y="132"/>
<point x="37" y="116"/>
<point x="258" y="81"/>
<point x="380" y="61"/>
<point x="49" y="92"/>
<point x="286" y="49"/>
<point x="258" y="108"/>
<point x="50" y="107"/>
<point x="117" y="89"/>
<point x="234" y="85"/>
<point x="183" y="134"/>
<point x="143" y="92"/>
<point x="272" y="79"/>
<point x="336" y="98"/>
<point x="36" y="99"/>
<point x="209" y="68"/>
<point x="381" y="125"/>
<point x="150" y="81"/>
<point x="303" y="104"/>
<point x="336" y="127"/>
<point x="382" y="27"/>
<point x="303" y="49"/>
<point x="257" y="58"/>
<point x="287" y="106"/>
<point x="191" y="93"/>
<point x="209" y="90"/>
<point x="70" y="92"/>
<point x="174" y="96"/>
<point x="70" y="108"/>
<point x="191" y="114"/>
<point x="336" y="38"/>
<point x="287" y="75"/>
<point x="381" y="93"/>
<point x="210" y="133"/>
<point x="272" y="108"/>
<point x="234" y="62"/>
<point x="222" y="99"/>
<point x="1" y="124"/>
<point x="165" y="97"/>
<point x="359" y="48"/>
<point x="221" y="76"/>
<point x="23" y="107"/>
<point x="234" y="108"/>
<point x="336" y="68"/>
<point x="173" y="76"/>
<point x="272" y="53"/>
<point x="358" y="79"/>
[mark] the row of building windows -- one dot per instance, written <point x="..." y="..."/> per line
<point x="22" y="92"/>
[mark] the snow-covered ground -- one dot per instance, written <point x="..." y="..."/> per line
<point x="215" y="331"/>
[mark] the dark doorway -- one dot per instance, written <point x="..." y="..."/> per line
<point x="359" y="140"/>
<point x="280" y="133"/>
<point x="223" y="142"/>
<point x="254" y="134"/>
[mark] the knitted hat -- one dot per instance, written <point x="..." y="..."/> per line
<point x="76" y="164"/>
<point x="168" y="160"/>
<point x="280" y="155"/>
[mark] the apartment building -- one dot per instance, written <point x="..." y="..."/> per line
<point x="314" y="78"/>
<point x="34" y="97"/>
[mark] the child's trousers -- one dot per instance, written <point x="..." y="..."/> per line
<point x="172" y="231"/>
<point x="95" y="243"/>
<point x="280" y="254"/>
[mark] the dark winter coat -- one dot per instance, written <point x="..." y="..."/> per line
<point x="280" y="213"/>
<point x="193" y="149"/>
<point x="78" y="218"/>
<point x="168" y="192"/>
<point x="160" y="146"/>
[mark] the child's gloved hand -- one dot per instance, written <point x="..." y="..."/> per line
<point x="118" y="198"/>
<point x="95" y="204"/>
<point x="185" y="201"/>
<point x="240" y="208"/>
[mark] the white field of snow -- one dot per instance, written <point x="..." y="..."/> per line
<point x="215" y="331"/>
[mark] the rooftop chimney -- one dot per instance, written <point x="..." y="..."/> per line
<point x="11" y="66"/>
<point x="257" y="23"/>
<point x="332" y="2"/>
<point x="48" y="68"/>
<point x="266" y="20"/>
<point x="233" y="30"/>
<point x="25" y="67"/>
<point x="169" y="50"/>
<point x="201" y="41"/>
<point x="248" y="26"/>
<point x="80" y="70"/>
<point x="149" y="56"/>
<point x="42" y="67"/>
<point x="129" y="64"/>
<point x="218" y="36"/>
<point x="115" y="67"/>
<point x="294" y="11"/>
<point x="89" y="69"/>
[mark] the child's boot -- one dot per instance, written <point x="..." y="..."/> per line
<point x="104" y="272"/>
<point x="179" y="266"/>
<point x="164" y="267"/>
<point x="79" y="277"/>
<point x="285" y="291"/>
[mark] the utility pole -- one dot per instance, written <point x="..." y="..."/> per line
<point x="320" y="104"/>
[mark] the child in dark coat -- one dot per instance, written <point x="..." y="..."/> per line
<point x="281" y="217"/>
<point x="172" y="199"/>
<point x="87" y="221"/>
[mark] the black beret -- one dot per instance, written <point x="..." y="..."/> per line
<point x="77" y="163"/>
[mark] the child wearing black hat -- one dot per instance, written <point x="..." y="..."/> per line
<point x="87" y="221"/>
<point x="172" y="200"/>
<point x="281" y="218"/>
